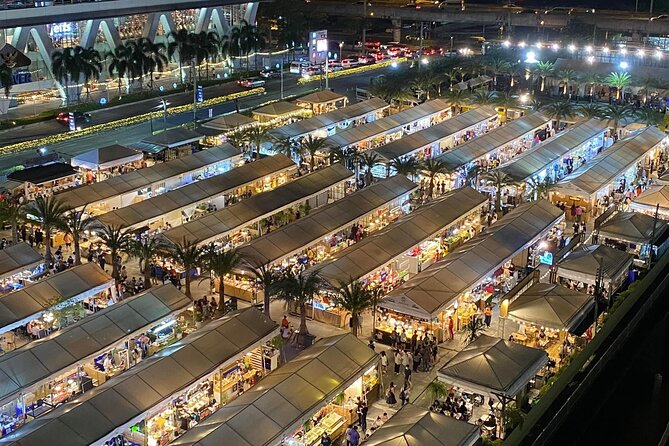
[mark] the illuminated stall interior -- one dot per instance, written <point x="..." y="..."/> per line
<point x="322" y="233"/>
<point x="316" y="392"/>
<point x="56" y="301"/>
<point x="401" y="250"/>
<point x="170" y="144"/>
<point x="20" y="264"/>
<point x="334" y="121"/>
<point x="390" y="128"/>
<point x="633" y="232"/>
<point x="610" y="174"/>
<point x="104" y="162"/>
<point x="135" y="186"/>
<point x="458" y="285"/>
<point x="322" y="101"/>
<point x="432" y="141"/>
<point x="278" y="113"/>
<point x="556" y="157"/>
<point x="87" y="353"/>
<point x="149" y="404"/>
<point x="495" y="147"/>
<point x="46" y="179"/>
<point x="179" y="205"/>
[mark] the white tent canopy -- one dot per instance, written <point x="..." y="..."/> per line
<point x="106" y="157"/>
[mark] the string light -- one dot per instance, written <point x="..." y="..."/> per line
<point x="356" y="70"/>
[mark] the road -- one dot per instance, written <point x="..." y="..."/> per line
<point x="128" y="135"/>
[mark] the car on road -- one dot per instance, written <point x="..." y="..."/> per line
<point x="269" y="74"/>
<point x="79" y="118"/>
<point x="252" y="82"/>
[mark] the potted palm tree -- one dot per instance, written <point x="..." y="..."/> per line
<point x="75" y="223"/>
<point x="432" y="167"/>
<point x="354" y="298"/>
<point x="498" y="179"/>
<point x="310" y="146"/>
<point x="50" y="213"/>
<point x="268" y="280"/>
<point x="299" y="290"/>
<point x="117" y="239"/>
<point x="221" y="263"/>
<point x="144" y="250"/>
<point x="190" y="255"/>
<point x="13" y="213"/>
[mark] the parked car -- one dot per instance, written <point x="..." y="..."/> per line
<point x="269" y="74"/>
<point x="79" y="118"/>
<point x="252" y="82"/>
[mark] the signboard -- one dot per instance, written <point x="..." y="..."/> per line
<point x="546" y="258"/>
<point x="318" y="46"/>
<point x="71" y="122"/>
<point x="65" y="30"/>
<point x="200" y="94"/>
<point x="22" y="77"/>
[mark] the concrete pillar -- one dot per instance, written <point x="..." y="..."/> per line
<point x="91" y="29"/>
<point x="397" y="30"/>
<point x="152" y="22"/>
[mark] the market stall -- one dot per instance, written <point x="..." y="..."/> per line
<point x="230" y="122"/>
<point x="493" y="148"/>
<point x="241" y="222"/>
<point x="390" y="128"/>
<point x="322" y="232"/>
<point x="19" y="264"/>
<point x="279" y="113"/>
<point x="135" y="186"/>
<point x="322" y="101"/>
<point x="654" y="199"/>
<point x="432" y="141"/>
<point x="484" y="266"/>
<point x="36" y="302"/>
<point x="558" y="156"/>
<point x="413" y="425"/>
<point x="46" y="179"/>
<point x="315" y="392"/>
<point x="402" y="249"/>
<point x="179" y="205"/>
<point x="494" y="366"/>
<point x="155" y="401"/>
<point x="334" y="121"/>
<point x="170" y="144"/>
<point x="104" y="161"/>
<point x="47" y="372"/>
<point x="580" y="267"/>
<point x="611" y="173"/>
<point x="632" y="232"/>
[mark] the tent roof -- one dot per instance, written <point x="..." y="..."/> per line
<point x="18" y="257"/>
<point x="427" y="293"/>
<point x="137" y="179"/>
<point x="229" y="122"/>
<point x="173" y="138"/>
<point x="604" y="168"/>
<point x="244" y="213"/>
<point x="284" y="399"/>
<point x="202" y="190"/>
<point x="544" y="155"/>
<point x="325" y="221"/>
<point x="651" y="197"/>
<point x="582" y="263"/>
<point x="435" y="133"/>
<point x="390" y="123"/>
<point x="321" y="97"/>
<point x="383" y="246"/>
<point x="106" y="157"/>
<point x="552" y="306"/>
<point x="277" y="109"/>
<point x="18" y="307"/>
<point x="632" y="227"/>
<point x="41" y="359"/>
<point x="413" y="426"/>
<point x="329" y="119"/>
<point x="42" y="174"/>
<point x="100" y="411"/>
<point x="494" y="365"/>
<point x="483" y="145"/>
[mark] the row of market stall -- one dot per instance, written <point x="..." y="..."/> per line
<point x="20" y="265"/>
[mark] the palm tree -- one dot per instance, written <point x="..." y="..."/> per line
<point x="269" y="281"/>
<point x="144" y="250"/>
<point x="498" y="179"/>
<point x="120" y="61"/>
<point x="190" y="255"/>
<point x="558" y="111"/>
<point x="66" y="68"/>
<point x="437" y="390"/>
<point x="299" y="289"/>
<point x="565" y="77"/>
<point x="616" y="114"/>
<point x="483" y="97"/>
<point x="255" y="137"/>
<point x="76" y="223"/>
<point x="505" y="101"/>
<point x="369" y="160"/>
<point x="536" y="104"/>
<point x="221" y="263"/>
<point x="180" y="48"/>
<point x="391" y="90"/>
<point x="284" y="146"/>
<point x="589" y="111"/>
<point x="457" y="99"/>
<point x="91" y="67"/>
<point x="496" y="67"/>
<point x="117" y="239"/>
<point x="618" y="80"/>
<point x="472" y="177"/>
<point x="207" y="46"/>
<point x="13" y="213"/>
<point x="540" y="188"/>
<point x="50" y="213"/>
<point x="311" y="145"/>
<point x="345" y="156"/>
<point x="432" y="167"/>
<point x="408" y="166"/>
<point x="475" y="328"/>
<point x="6" y="78"/>
<point x="592" y="79"/>
<point x="354" y="298"/>
<point x="544" y="70"/>
<point x="649" y="116"/>
<point x="647" y="83"/>
<point x="427" y="82"/>
<point x="154" y="57"/>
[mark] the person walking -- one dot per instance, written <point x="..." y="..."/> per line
<point x="488" y="315"/>
<point x="353" y="436"/>
<point x="407" y="376"/>
<point x="404" y="396"/>
<point x="362" y="416"/>
<point x="398" y="361"/>
<point x="384" y="363"/>
<point x="391" y="399"/>
<point x="451" y="326"/>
